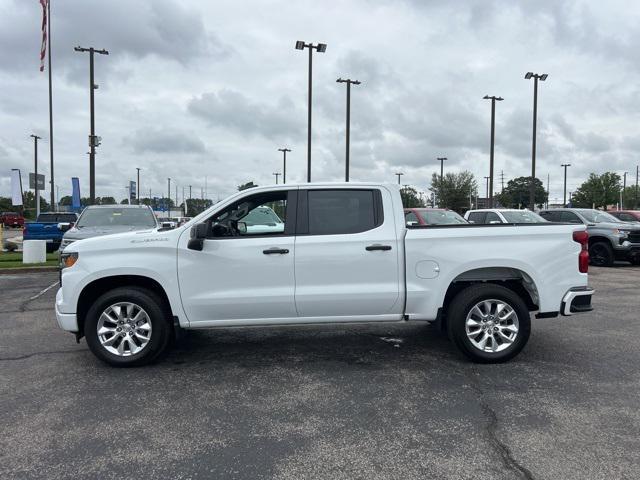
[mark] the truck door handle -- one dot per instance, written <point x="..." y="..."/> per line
<point x="272" y="251"/>
<point x="371" y="248"/>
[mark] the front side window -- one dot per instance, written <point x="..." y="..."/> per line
<point x="262" y="214"/>
<point x="334" y="212"/>
<point x="411" y="218"/>
<point x="441" y="217"/>
<point x="596" y="216"/>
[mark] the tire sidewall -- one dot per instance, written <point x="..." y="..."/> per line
<point x="466" y="300"/>
<point x="160" y="329"/>
<point x="608" y="251"/>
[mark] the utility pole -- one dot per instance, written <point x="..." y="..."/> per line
<point x="349" y="82"/>
<point x="53" y="202"/>
<point x="93" y="140"/>
<point x="35" y="160"/>
<point x="441" y="189"/>
<point x="547" y="202"/>
<point x="399" y="174"/>
<point x="635" y="202"/>
<point x="493" y="99"/>
<point x="138" y="187"/>
<point x="564" y="196"/>
<point x="284" y="163"/>
<point x="177" y="204"/>
<point x="501" y="181"/>
<point x="168" y="193"/>
<point x="277" y="175"/>
<point x="321" y="48"/>
<point x="532" y="188"/>
<point x="624" y="187"/>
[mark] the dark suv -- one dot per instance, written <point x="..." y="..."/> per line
<point x="609" y="238"/>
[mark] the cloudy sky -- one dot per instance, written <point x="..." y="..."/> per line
<point x="194" y="89"/>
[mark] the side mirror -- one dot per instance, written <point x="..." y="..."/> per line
<point x="64" y="226"/>
<point x="198" y="233"/>
<point x="412" y="223"/>
<point x="242" y="227"/>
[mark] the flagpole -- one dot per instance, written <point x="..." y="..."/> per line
<point x="50" y="105"/>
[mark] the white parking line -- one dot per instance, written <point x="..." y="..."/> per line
<point x="42" y="292"/>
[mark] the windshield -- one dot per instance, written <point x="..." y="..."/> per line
<point x="595" y="216"/>
<point x="441" y="217"/>
<point x="123" y="217"/>
<point x="261" y="216"/>
<point x="522" y="216"/>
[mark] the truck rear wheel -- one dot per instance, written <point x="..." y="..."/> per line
<point x="128" y="327"/>
<point x="488" y="323"/>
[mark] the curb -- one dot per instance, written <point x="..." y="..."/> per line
<point x="18" y="270"/>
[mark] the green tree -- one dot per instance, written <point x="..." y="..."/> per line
<point x="196" y="206"/>
<point x="516" y="193"/>
<point x="6" y="206"/>
<point x="65" y="201"/>
<point x="105" y="201"/>
<point x="410" y="197"/>
<point x="454" y="190"/>
<point x="245" y="186"/>
<point x="631" y="198"/>
<point x="30" y="204"/>
<point x="598" y="190"/>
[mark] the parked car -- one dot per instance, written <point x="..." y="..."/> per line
<point x="167" y="223"/>
<point x="183" y="220"/>
<point x="99" y="220"/>
<point x="609" y="238"/>
<point x="502" y="215"/>
<point x="46" y="227"/>
<point x="432" y="216"/>
<point x="12" y="219"/>
<point x="632" y="216"/>
<point x="345" y="255"/>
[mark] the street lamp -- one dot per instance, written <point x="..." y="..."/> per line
<point x="624" y="187"/>
<point x="349" y="82"/>
<point x="564" y="196"/>
<point x="493" y="99"/>
<point x="277" y="174"/>
<point x="138" y="186"/>
<point x="321" y="48"/>
<point x="399" y="174"/>
<point x="532" y="189"/>
<point x="35" y="159"/>
<point x="284" y="163"/>
<point x="93" y="140"/>
<point x="441" y="160"/>
<point x="487" y="179"/>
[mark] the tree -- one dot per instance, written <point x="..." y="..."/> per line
<point x="631" y="201"/>
<point x="30" y="204"/>
<point x="598" y="191"/>
<point x="454" y="191"/>
<point x="245" y="186"/>
<point x="105" y="201"/>
<point x="65" y="201"/>
<point x="410" y="197"/>
<point x="196" y="206"/>
<point x="516" y="193"/>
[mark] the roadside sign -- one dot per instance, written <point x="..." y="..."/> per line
<point x="32" y="182"/>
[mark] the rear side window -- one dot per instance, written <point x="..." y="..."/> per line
<point x="334" y="212"/>
<point x="477" y="217"/>
<point x="492" y="217"/>
<point x="551" y="216"/>
<point x="569" y="217"/>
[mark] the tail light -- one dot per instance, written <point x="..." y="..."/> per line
<point x="583" y="257"/>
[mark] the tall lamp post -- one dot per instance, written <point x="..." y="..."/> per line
<point x="441" y="160"/>
<point x="276" y="174"/>
<point x="532" y="189"/>
<point x="284" y="163"/>
<point x="624" y="187"/>
<point x="93" y="140"/>
<point x="487" y="179"/>
<point x="399" y="174"/>
<point x="35" y="160"/>
<point x="138" y="186"/>
<point x="564" y="196"/>
<point x="349" y="82"/>
<point x="493" y="99"/>
<point x="321" y="48"/>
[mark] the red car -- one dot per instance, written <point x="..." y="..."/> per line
<point x="12" y="219"/>
<point x="627" y="215"/>
<point x="432" y="216"/>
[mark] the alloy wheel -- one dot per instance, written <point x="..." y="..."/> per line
<point x="492" y="325"/>
<point x="124" y="329"/>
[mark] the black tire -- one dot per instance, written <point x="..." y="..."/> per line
<point x="601" y="254"/>
<point x="635" y="260"/>
<point x="159" y="317"/>
<point x="465" y="301"/>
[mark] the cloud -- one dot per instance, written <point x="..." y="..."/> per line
<point x="158" y="140"/>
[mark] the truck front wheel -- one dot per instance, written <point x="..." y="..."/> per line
<point x="488" y="323"/>
<point x="128" y="327"/>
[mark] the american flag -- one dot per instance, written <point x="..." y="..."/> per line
<point x="43" y="47"/>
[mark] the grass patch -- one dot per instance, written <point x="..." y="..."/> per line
<point x="14" y="260"/>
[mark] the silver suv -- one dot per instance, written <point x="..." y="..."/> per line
<point x="609" y="238"/>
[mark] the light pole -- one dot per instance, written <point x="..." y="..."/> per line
<point x="487" y="179"/>
<point x="564" y="197"/>
<point x="624" y="187"/>
<point x="349" y="82"/>
<point x="93" y="140"/>
<point x="138" y="186"/>
<point x="441" y="189"/>
<point x="399" y="174"/>
<point x="35" y="160"/>
<point x="284" y="163"/>
<point x="493" y="99"/>
<point x="635" y="202"/>
<point x="277" y="174"/>
<point x="169" y="194"/>
<point x="321" y="48"/>
<point x="532" y="188"/>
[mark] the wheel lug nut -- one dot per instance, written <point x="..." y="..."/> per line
<point x="118" y="329"/>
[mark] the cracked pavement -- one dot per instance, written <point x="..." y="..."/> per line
<point x="338" y="402"/>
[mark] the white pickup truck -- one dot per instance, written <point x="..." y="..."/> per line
<point x="344" y="254"/>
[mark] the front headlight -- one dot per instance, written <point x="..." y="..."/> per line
<point x="68" y="260"/>
<point x="623" y="233"/>
<point x="65" y="242"/>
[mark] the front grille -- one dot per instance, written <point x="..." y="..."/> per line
<point x="634" y="237"/>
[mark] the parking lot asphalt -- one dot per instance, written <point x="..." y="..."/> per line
<point x="338" y="402"/>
